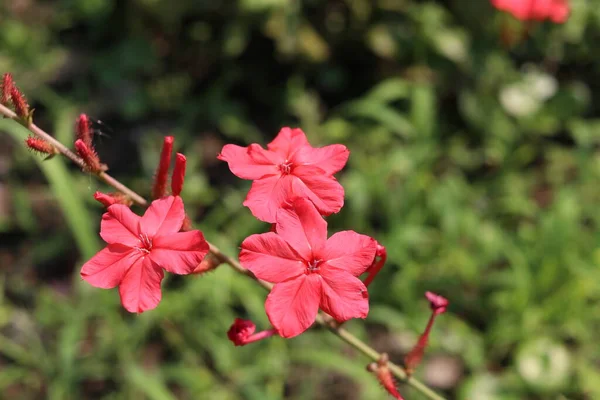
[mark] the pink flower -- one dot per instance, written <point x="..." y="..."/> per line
<point x="289" y="166"/>
<point x="555" y="10"/>
<point x="138" y="250"/>
<point x="309" y="270"/>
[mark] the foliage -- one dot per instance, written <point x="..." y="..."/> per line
<point x="473" y="160"/>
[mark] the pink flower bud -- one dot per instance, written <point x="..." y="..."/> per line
<point x="178" y="175"/>
<point x="437" y="303"/>
<point x="241" y="332"/>
<point x="159" y="189"/>
<point x="438" y="306"/>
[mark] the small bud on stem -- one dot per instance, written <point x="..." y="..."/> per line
<point x="242" y="333"/>
<point x="83" y="130"/>
<point x="178" y="176"/>
<point x="89" y="156"/>
<point x="41" y="146"/>
<point x="438" y="306"/>
<point x="7" y="84"/>
<point x="384" y="375"/>
<point x="159" y="189"/>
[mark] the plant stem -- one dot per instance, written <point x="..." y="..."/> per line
<point x="322" y="319"/>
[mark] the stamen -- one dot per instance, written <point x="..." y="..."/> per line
<point x="285" y="167"/>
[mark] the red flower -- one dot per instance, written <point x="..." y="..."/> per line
<point x="309" y="270"/>
<point x="289" y="165"/>
<point x="538" y="10"/>
<point x="138" y="250"/>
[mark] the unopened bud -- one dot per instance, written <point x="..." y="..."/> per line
<point x="7" y="84"/>
<point x="89" y="157"/>
<point x="178" y="176"/>
<point x="83" y="130"/>
<point x="159" y="189"/>
<point x="40" y="145"/>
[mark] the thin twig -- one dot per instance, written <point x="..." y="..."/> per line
<point x="322" y="319"/>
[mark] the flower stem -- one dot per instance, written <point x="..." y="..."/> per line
<point x="322" y="319"/>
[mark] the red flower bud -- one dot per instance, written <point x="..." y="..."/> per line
<point x="178" y="175"/>
<point x="20" y="104"/>
<point x="241" y="332"/>
<point x="159" y="189"/>
<point x="83" y="130"/>
<point x="41" y="146"/>
<point x="89" y="156"/>
<point x="7" y="84"/>
<point x="438" y="306"/>
<point x="112" y="198"/>
<point x="384" y="376"/>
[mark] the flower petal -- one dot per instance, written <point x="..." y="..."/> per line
<point x="323" y="190"/>
<point x="108" y="267"/>
<point x="270" y="258"/>
<point x="344" y="296"/>
<point x="163" y="217"/>
<point x="287" y="142"/>
<point x="292" y="305"/>
<point x="349" y="251"/>
<point x="242" y="165"/>
<point x="120" y="225"/>
<point x="267" y="195"/>
<point x="302" y="227"/>
<point x="330" y="159"/>
<point x="140" y="288"/>
<point x="179" y="253"/>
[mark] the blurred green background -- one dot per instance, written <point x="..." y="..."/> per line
<point x="474" y="158"/>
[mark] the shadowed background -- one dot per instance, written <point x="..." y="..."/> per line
<point x="474" y="159"/>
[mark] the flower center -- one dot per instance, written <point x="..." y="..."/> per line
<point x="286" y="167"/>
<point x="313" y="266"/>
<point x="145" y="243"/>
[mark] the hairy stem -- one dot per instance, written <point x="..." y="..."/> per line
<point x="322" y="319"/>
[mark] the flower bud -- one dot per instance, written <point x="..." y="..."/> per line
<point x="89" y="156"/>
<point x="159" y="188"/>
<point x="83" y="130"/>
<point x="40" y="145"/>
<point x="178" y="175"/>
<point x="108" y="199"/>
<point x="7" y="84"/>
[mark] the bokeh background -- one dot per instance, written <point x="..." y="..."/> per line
<point x="474" y="158"/>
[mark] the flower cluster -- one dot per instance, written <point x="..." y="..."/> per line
<point x="294" y="188"/>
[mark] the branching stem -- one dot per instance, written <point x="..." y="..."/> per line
<point x="322" y="319"/>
